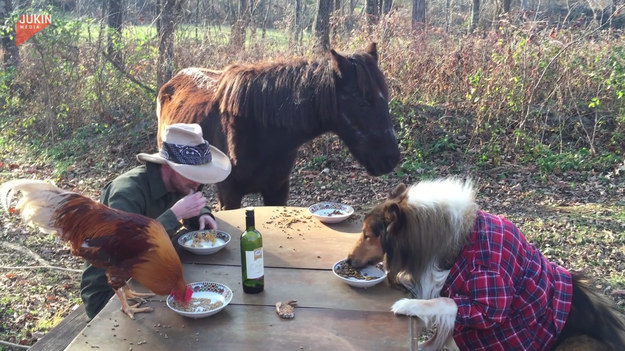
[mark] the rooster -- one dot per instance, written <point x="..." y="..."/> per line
<point x="127" y="245"/>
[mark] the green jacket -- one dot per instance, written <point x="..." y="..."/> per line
<point x="140" y="190"/>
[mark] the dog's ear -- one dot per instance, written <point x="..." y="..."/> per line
<point x="399" y="190"/>
<point x="393" y="218"/>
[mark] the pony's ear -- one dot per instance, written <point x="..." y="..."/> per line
<point x="341" y="64"/>
<point x="372" y="49"/>
<point x="397" y="192"/>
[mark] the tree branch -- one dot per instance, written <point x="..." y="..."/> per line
<point x="25" y="250"/>
<point x="116" y="64"/>
<point x="10" y="344"/>
<point x="43" y="267"/>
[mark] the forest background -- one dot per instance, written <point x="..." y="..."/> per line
<point x="527" y="98"/>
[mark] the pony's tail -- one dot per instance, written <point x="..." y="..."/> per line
<point x="592" y="315"/>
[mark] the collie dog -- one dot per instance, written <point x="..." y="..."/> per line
<point x="474" y="278"/>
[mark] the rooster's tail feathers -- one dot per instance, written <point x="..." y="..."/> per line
<point x="38" y="203"/>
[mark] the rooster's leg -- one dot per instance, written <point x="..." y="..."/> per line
<point x="123" y="294"/>
<point x="137" y="296"/>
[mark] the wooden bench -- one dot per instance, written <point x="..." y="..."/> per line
<point x="62" y="335"/>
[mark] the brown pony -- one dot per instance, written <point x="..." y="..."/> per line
<point x="475" y="278"/>
<point x="260" y="114"/>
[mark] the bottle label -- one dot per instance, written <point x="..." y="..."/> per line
<point x="254" y="263"/>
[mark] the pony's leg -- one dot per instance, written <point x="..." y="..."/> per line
<point x="228" y="197"/>
<point x="276" y="195"/>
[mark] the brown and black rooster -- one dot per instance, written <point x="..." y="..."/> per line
<point x="126" y="245"/>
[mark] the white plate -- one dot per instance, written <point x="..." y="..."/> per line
<point x="330" y="212"/>
<point x="218" y="294"/>
<point x="202" y="245"/>
<point x="367" y="271"/>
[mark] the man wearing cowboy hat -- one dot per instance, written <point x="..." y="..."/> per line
<point x="167" y="188"/>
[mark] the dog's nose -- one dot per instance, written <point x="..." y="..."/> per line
<point x="353" y="262"/>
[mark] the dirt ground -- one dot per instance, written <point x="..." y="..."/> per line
<point x="577" y="221"/>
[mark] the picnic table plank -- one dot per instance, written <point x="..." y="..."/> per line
<point x="291" y="284"/>
<point x="244" y="328"/>
<point x="291" y="238"/>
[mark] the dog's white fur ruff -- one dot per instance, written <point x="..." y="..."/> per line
<point x="455" y="197"/>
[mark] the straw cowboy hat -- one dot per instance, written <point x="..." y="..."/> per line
<point x="184" y="149"/>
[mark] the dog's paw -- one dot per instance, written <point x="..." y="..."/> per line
<point x="405" y="306"/>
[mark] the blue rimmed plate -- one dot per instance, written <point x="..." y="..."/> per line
<point x="204" y="242"/>
<point x="363" y="277"/>
<point x="207" y="299"/>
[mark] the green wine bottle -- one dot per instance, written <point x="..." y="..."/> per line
<point x="252" y="266"/>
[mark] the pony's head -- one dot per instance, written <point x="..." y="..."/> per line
<point x="363" y="121"/>
<point x="418" y="229"/>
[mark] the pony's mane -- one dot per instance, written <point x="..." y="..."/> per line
<point x="279" y="93"/>
<point x="439" y="216"/>
<point x="289" y="93"/>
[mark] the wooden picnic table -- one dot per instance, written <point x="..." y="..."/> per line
<point x="299" y="254"/>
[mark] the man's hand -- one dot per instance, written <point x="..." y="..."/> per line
<point x="208" y="222"/>
<point x="189" y="206"/>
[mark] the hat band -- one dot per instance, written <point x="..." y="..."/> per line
<point x="186" y="154"/>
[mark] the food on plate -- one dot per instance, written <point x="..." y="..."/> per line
<point x="200" y="238"/>
<point x="198" y="305"/>
<point x="347" y="271"/>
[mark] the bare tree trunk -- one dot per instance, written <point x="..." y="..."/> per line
<point x="266" y="19"/>
<point x="418" y="15"/>
<point x="166" y="26"/>
<point x="50" y="104"/>
<point x="11" y="52"/>
<point x="371" y="9"/>
<point x="197" y="19"/>
<point x="115" y="10"/>
<point x="506" y="6"/>
<point x="386" y="6"/>
<point x="350" y="16"/>
<point x="251" y="19"/>
<point x="322" y="26"/>
<point x="475" y="15"/>
<point x="447" y="15"/>
<point x="297" y="21"/>
<point x="237" y="32"/>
